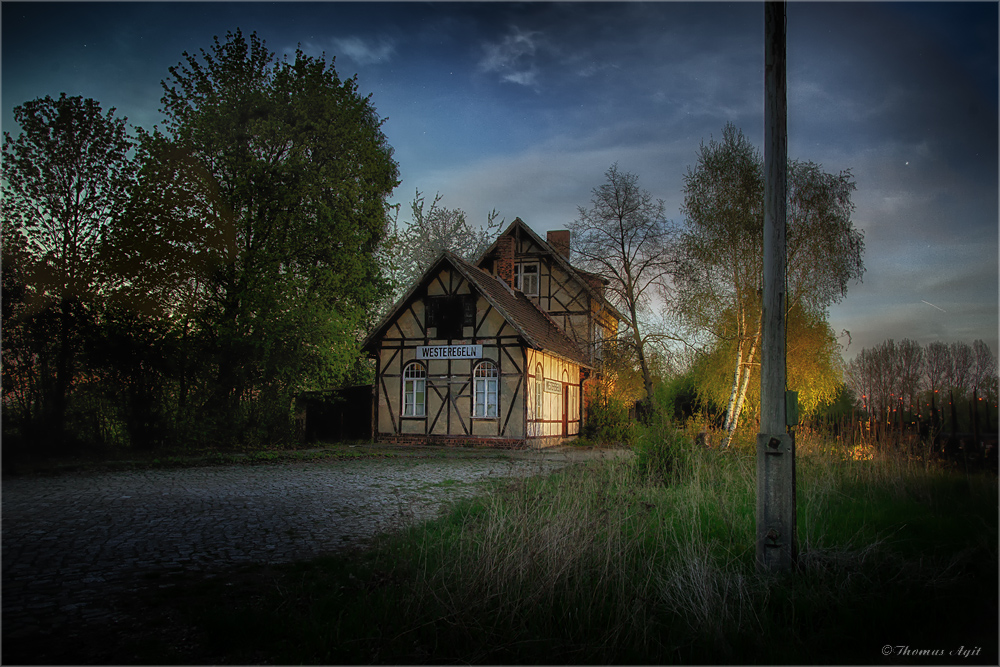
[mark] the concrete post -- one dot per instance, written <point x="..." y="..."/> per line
<point x="776" y="535"/>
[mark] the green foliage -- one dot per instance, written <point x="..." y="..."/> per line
<point x="255" y="229"/>
<point x="608" y="420"/>
<point x="188" y="295"/>
<point x="720" y="277"/>
<point x="813" y="361"/>
<point x="678" y="396"/>
<point x="662" y="451"/>
<point x="65" y="179"/>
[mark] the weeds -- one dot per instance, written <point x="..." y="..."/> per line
<point x="613" y="561"/>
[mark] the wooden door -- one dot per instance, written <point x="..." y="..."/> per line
<point x="565" y="412"/>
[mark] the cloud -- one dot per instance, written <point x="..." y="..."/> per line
<point x="364" y="52"/>
<point x="514" y="57"/>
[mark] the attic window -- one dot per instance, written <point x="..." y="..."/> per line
<point x="526" y="278"/>
<point x="449" y="314"/>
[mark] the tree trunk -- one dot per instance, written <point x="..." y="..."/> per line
<point x="954" y="413"/>
<point x="736" y="386"/>
<point x="735" y="422"/>
<point x="989" y="429"/>
<point x="935" y="421"/>
<point x="647" y="379"/>
<point x="64" y="362"/>
<point x="183" y="389"/>
<point x="974" y="407"/>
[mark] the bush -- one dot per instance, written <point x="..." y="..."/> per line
<point x="608" y="420"/>
<point x="662" y="450"/>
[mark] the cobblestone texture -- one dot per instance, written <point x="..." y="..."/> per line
<point x="70" y="542"/>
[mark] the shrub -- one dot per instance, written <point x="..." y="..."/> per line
<point x="663" y="452"/>
<point x="608" y="420"/>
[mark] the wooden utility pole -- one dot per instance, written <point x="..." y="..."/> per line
<point x="776" y="534"/>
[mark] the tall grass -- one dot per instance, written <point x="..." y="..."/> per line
<point x="627" y="560"/>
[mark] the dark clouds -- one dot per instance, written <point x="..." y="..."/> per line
<point x="522" y="108"/>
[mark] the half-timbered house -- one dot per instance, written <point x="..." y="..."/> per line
<point x="495" y="352"/>
<point x="573" y="298"/>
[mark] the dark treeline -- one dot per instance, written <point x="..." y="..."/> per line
<point x="183" y="286"/>
<point x="941" y="397"/>
<point x="951" y="387"/>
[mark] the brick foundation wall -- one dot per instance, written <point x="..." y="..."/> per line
<point x="454" y="441"/>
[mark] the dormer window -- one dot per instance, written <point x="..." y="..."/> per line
<point x="526" y="278"/>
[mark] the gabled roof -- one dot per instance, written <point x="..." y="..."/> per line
<point x="575" y="273"/>
<point x="530" y="322"/>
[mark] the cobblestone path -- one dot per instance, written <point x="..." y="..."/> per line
<point x="70" y="541"/>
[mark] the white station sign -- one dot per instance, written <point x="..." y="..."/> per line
<point x="449" y="351"/>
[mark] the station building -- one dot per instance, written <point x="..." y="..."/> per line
<point x="493" y="352"/>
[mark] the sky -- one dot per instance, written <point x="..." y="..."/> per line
<point x="523" y="107"/>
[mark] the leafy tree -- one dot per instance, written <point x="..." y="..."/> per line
<point x="624" y="238"/>
<point x="66" y="178"/>
<point x="409" y="251"/>
<point x="719" y="277"/>
<point x="815" y="367"/>
<point x="282" y="174"/>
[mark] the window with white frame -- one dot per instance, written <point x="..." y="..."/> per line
<point x="539" y="391"/>
<point x="414" y="390"/>
<point x="526" y="278"/>
<point x="485" y="384"/>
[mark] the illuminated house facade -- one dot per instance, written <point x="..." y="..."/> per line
<point x="494" y="352"/>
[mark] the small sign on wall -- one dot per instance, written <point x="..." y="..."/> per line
<point x="553" y="387"/>
<point x="449" y="351"/>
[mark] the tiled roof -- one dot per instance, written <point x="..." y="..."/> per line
<point x="537" y="328"/>
<point x="533" y="324"/>
<point x="578" y="274"/>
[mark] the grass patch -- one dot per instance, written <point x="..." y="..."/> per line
<point x="604" y="563"/>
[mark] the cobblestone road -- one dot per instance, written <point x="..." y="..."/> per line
<point x="70" y="541"/>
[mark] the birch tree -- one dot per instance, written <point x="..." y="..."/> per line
<point x="719" y="277"/>
<point x="722" y="254"/>
<point x="814" y="367"/>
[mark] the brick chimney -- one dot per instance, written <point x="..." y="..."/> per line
<point x="559" y="240"/>
<point x="504" y="259"/>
